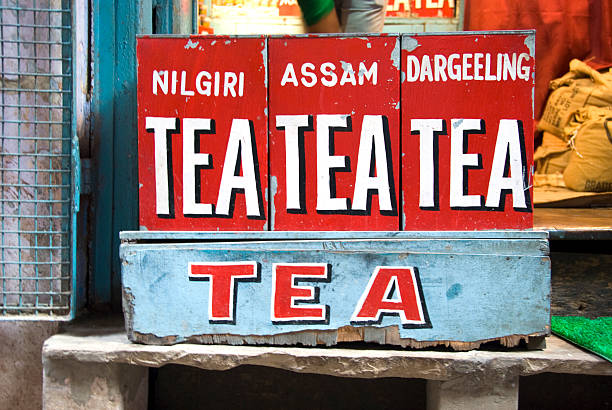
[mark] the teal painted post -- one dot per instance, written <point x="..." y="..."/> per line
<point x="114" y="131"/>
<point x="162" y="17"/>
<point x="102" y="149"/>
<point x="132" y="18"/>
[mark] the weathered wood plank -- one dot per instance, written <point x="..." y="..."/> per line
<point x="574" y="223"/>
<point x="517" y="247"/>
<point x="466" y="297"/>
<point x="217" y="236"/>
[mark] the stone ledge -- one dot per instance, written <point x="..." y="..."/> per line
<point x="110" y="345"/>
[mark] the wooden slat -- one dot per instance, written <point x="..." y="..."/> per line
<point x="574" y="223"/>
<point x="209" y="236"/>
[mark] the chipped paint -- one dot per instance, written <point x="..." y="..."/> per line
<point x="264" y="57"/>
<point x="273" y="190"/>
<point x="352" y="38"/>
<point x="454" y="291"/>
<point x="191" y="44"/>
<point x="362" y="69"/>
<point x="530" y="44"/>
<point x="347" y="66"/>
<point x="395" y="54"/>
<point x="403" y="222"/>
<point x="533" y="97"/>
<point x="409" y="44"/>
<point x="369" y="45"/>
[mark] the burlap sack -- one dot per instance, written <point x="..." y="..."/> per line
<point x="552" y="156"/>
<point x="590" y="136"/>
<point x="581" y="87"/>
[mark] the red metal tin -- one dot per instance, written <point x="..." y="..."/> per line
<point x="472" y="169"/>
<point x="334" y="133"/>
<point x="206" y="99"/>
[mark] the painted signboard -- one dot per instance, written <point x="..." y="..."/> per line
<point x="203" y="125"/>
<point x="467" y="140"/>
<point x="371" y="133"/>
<point x="334" y="133"/>
<point x="397" y="288"/>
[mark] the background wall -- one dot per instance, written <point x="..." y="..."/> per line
<point x="565" y="29"/>
<point x="21" y="363"/>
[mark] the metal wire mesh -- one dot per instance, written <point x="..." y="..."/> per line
<point x="35" y="157"/>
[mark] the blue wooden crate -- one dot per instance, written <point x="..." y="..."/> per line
<point x="454" y="288"/>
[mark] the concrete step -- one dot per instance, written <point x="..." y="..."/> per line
<point x="94" y="366"/>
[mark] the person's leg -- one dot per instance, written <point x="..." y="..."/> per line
<point x="320" y="16"/>
<point x="328" y="24"/>
<point x="363" y="16"/>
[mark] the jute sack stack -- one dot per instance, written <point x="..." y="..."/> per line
<point x="553" y="155"/>
<point x="576" y="130"/>
<point x="581" y="87"/>
<point x="589" y="133"/>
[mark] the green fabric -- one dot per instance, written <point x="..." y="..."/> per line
<point x="315" y="10"/>
<point x="594" y="335"/>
